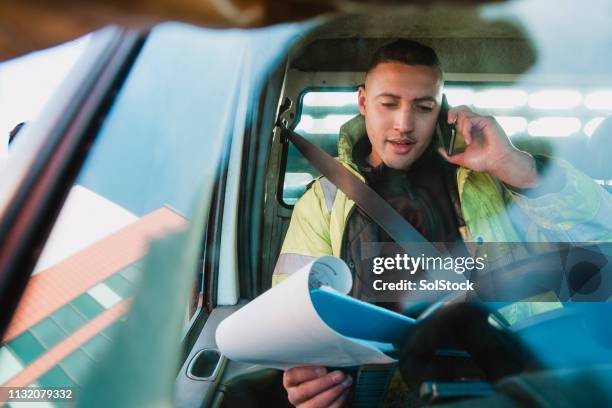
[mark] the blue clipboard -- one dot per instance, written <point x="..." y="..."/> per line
<point x="356" y="319"/>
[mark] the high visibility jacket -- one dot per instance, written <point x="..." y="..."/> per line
<point x="581" y="211"/>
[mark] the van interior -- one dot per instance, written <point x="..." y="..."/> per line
<point x="494" y="65"/>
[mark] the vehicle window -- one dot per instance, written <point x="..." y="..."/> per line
<point x="550" y="120"/>
<point x="322" y="114"/>
<point x="25" y="89"/>
<point x="141" y="181"/>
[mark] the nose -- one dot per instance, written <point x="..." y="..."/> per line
<point x="404" y="121"/>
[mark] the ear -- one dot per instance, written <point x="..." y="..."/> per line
<point x="361" y="99"/>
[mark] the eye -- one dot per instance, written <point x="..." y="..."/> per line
<point x="389" y="104"/>
<point x="425" y="108"/>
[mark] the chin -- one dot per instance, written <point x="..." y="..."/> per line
<point x="399" y="164"/>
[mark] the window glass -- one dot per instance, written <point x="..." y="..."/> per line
<point x="25" y="89"/>
<point x="322" y="114"/>
<point x="142" y="181"/>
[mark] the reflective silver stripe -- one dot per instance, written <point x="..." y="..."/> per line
<point x="290" y="263"/>
<point x="329" y="192"/>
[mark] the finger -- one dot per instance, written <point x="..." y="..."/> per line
<point x="465" y="125"/>
<point x="452" y="116"/>
<point x="486" y="127"/>
<point x="297" y="375"/>
<point x="466" y="131"/>
<point x="454" y="159"/>
<point x="489" y="125"/>
<point x="312" y="388"/>
<point x="453" y="112"/>
<point x="339" y="402"/>
<point x="324" y="399"/>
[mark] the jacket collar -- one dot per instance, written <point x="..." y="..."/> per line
<point x="350" y="133"/>
<point x="353" y="131"/>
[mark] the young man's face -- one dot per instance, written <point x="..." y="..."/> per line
<point x="400" y="104"/>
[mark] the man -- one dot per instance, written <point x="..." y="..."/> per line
<point x="469" y="196"/>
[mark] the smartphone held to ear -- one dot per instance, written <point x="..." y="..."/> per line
<point x="446" y="132"/>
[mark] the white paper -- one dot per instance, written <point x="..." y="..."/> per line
<point x="281" y="328"/>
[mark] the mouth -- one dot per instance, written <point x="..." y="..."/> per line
<point x="401" y="146"/>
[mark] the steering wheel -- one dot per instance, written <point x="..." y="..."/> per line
<point x="466" y="323"/>
<point x="573" y="273"/>
<point x="467" y="326"/>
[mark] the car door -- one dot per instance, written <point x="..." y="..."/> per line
<point x="119" y="211"/>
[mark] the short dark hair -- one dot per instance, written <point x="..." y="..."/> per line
<point x="407" y="52"/>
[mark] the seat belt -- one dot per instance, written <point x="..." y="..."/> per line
<point x="375" y="207"/>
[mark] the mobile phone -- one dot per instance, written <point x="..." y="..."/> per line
<point x="445" y="132"/>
